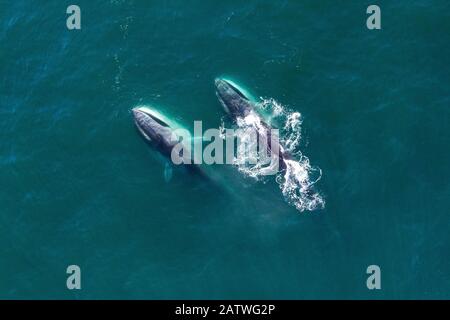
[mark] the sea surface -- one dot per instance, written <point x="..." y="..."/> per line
<point x="79" y="186"/>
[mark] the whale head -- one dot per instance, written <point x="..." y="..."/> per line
<point x="153" y="128"/>
<point x="235" y="103"/>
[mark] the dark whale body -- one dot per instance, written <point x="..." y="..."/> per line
<point x="158" y="134"/>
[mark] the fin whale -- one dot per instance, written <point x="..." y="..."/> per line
<point x="154" y="130"/>
<point x="158" y="133"/>
<point x="238" y="105"/>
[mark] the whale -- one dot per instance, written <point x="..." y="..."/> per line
<point x="156" y="131"/>
<point x="238" y="105"/>
<point x="160" y="133"/>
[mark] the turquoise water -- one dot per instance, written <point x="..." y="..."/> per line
<point x="79" y="186"/>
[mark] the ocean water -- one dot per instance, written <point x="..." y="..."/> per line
<point x="79" y="186"/>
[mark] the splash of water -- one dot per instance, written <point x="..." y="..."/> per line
<point x="297" y="181"/>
